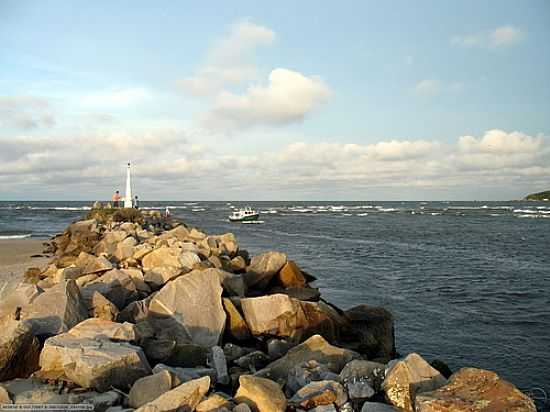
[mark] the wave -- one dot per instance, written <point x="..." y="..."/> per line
<point x="3" y="237"/>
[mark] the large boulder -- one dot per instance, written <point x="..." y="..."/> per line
<point x="92" y="264"/>
<point x="262" y="395"/>
<point x="190" y="307"/>
<point x="158" y="276"/>
<point x="102" y="308"/>
<point x="184" y="397"/>
<point x="56" y="310"/>
<point x="408" y="377"/>
<point x="149" y="388"/>
<point x="20" y="297"/>
<point x="362" y="378"/>
<point x="372" y="330"/>
<point x="109" y="241"/>
<point x="169" y="256"/>
<point x="116" y="285"/>
<point x="125" y="249"/>
<point x="262" y="268"/>
<point x="472" y="389"/>
<point x="290" y="276"/>
<point x="236" y="326"/>
<point x="79" y="237"/>
<point x="279" y="315"/>
<point x="88" y="356"/>
<point x="315" y="348"/>
<point x="19" y="349"/>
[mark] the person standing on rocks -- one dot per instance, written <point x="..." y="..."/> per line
<point x="136" y="202"/>
<point x="116" y="199"/>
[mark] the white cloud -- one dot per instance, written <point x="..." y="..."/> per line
<point x="500" y="142"/>
<point x="116" y="97"/>
<point x="500" y="37"/>
<point x="288" y="97"/>
<point x="434" y="87"/>
<point x="172" y="164"/>
<point x="229" y="61"/>
<point x="25" y="112"/>
<point x="428" y="87"/>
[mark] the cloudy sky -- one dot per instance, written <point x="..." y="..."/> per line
<point x="286" y="100"/>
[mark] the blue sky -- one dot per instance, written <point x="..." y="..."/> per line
<point x="251" y="100"/>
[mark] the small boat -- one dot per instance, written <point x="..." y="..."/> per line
<point x="244" y="215"/>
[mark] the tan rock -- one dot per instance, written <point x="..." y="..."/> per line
<point x="116" y="285"/>
<point x="408" y="377"/>
<point x="87" y="356"/>
<point x="83" y="280"/>
<point x="262" y="395"/>
<point x="142" y="250"/>
<point x="478" y="390"/>
<point x="291" y="276"/>
<point x="138" y="279"/>
<point x="95" y="328"/>
<point x="21" y="297"/>
<point x="315" y="348"/>
<point x="70" y="272"/>
<point x="276" y="315"/>
<point x="78" y="237"/>
<point x="238" y="264"/>
<point x="125" y="249"/>
<point x="319" y="393"/>
<point x="262" y="268"/>
<point x="19" y="349"/>
<point x="160" y="275"/>
<point x="190" y="307"/>
<point x="236" y="325"/>
<point x="149" y="388"/>
<point x="109" y="242"/>
<point x="283" y="316"/>
<point x="169" y="256"/>
<point x="102" y="308"/>
<point x="56" y="310"/>
<point x="213" y="403"/>
<point x="184" y="397"/>
<point x="92" y="264"/>
<point x="4" y="396"/>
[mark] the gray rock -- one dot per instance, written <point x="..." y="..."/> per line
<point x="307" y="372"/>
<point x="324" y="408"/>
<point x="378" y="407"/>
<point x="359" y="370"/>
<point x="136" y="311"/>
<point x="100" y="401"/>
<point x="56" y="310"/>
<point x="315" y="348"/>
<point x="242" y="407"/>
<point x="359" y="389"/>
<point x="262" y="268"/>
<point x="149" y="388"/>
<point x="33" y="391"/>
<point x="278" y="347"/>
<point x="233" y="284"/>
<point x="373" y="331"/>
<point x="219" y="363"/>
<point x="253" y="361"/>
<point x="190" y="307"/>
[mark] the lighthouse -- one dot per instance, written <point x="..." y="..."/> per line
<point x="128" y="196"/>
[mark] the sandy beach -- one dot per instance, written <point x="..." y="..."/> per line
<point x="15" y="258"/>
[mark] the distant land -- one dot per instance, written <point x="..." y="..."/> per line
<point x="539" y="196"/>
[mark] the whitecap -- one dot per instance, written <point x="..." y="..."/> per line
<point x="3" y="237"/>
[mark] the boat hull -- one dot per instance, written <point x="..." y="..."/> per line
<point x="249" y="218"/>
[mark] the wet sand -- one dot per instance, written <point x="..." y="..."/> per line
<point x="15" y="258"/>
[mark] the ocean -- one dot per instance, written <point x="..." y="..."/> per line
<point x="467" y="282"/>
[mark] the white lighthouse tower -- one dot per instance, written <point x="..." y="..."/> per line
<point x="128" y="196"/>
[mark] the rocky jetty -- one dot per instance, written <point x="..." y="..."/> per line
<point x="135" y="312"/>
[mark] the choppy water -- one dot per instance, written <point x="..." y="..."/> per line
<point x="468" y="282"/>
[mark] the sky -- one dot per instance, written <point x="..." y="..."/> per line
<point x="248" y="100"/>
